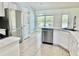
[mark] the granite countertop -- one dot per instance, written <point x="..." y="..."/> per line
<point x="52" y="27"/>
<point x="73" y="33"/>
<point x="8" y="40"/>
<point x="55" y="28"/>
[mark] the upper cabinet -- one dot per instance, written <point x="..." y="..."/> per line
<point x="1" y="9"/>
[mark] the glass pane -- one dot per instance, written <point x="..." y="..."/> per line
<point x="40" y="21"/>
<point x="49" y="21"/>
<point x="65" y="21"/>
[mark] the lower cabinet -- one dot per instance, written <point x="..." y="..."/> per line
<point x="66" y="40"/>
<point x="73" y="46"/>
<point x="61" y="38"/>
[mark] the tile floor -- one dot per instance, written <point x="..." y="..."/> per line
<point x="33" y="47"/>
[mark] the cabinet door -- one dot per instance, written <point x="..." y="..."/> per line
<point x="1" y="9"/>
<point x="61" y="38"/>
<point x="65" y="39"/>
<point x="73" y="45"/>
<point x="12" y="19"/>
<point x="56" y="37"/>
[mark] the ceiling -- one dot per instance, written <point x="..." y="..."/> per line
<point x="52" y="5"/>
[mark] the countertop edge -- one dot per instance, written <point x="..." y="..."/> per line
<point x="8" y="40"/>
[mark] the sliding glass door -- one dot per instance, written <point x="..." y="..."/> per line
<point x="49" y="21"/>
<point x="40" y="21"/>
<point x="44" y="21"/>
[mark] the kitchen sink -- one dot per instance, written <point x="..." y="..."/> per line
<point x="70" y="29"/>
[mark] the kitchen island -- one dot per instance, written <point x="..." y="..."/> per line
<point x="68" y="39"/>
<point x="48" y="34"/>
<point x="9" y="46"/>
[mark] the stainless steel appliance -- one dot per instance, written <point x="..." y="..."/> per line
<point x="47" y="35"/>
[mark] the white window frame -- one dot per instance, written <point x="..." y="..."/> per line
<point x="67" y="13"/>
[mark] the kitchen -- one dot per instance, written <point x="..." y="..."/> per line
<point x="21" y="25"/>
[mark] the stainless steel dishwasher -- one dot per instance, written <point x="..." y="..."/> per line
<point x="47" y="35"/>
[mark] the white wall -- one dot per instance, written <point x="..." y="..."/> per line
<point x="32" y="21"/>
<point x="31" y="15"/>
<point x="58" y="12"/>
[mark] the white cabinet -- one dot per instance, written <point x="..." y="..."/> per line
<point x="61" y="38"/>
<point x="10" y="14"/>
<point x="56" y="37"/>
<point x="67" y="40"/>
<point x="12" y="21"/>
<point x="73" y="45"/>
<point x="15" y="22"/>
<point x="18" y="22"/>
<point x="1" y="9"/>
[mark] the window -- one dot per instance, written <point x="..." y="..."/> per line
<point x="40" y="21"/>
<point x="49" y="21"/>
<point x="65" y="21"/>
<point x="44" y="21"/>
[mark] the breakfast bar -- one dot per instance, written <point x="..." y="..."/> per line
<point x="66" y="38"/>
